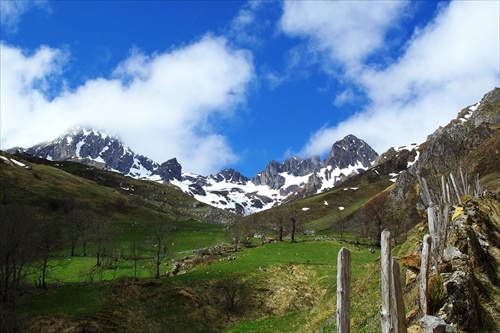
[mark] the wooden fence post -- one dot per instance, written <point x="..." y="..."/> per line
<point x="386" y="277"/>
<point x="398" y="306"/>
<point x="424" y="273"/>
<point x="343" y="290"/>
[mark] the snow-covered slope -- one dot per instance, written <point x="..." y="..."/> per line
<point x="227" y="189"/>
<point x="279" y="181"/>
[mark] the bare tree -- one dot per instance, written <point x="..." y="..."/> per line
<point x="235" y="294"/>
<point x="293" y="212"/>
<point x="340" y="221"/>
<point x="17" y="230"/>
<point x="278" y="221"/>
<point x="76" y="228"/>
<point x="158" y="233"/>
<point x="16" y="253"/>
<point x="101" y="236"/>
<point x="238" y="230"/>
<point x="375" y="212"/>
<point x="135" y="253"/>
<point x="47" y="240"/>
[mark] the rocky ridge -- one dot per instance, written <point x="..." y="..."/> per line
<point x="228" y="189"/>
<point x="448" y="147"/>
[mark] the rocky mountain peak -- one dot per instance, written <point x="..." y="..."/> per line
<point x="231" y="176"/>
<point x="350" y="151"/>
<point x="169" y="170"/>
<point x="298" y="166"/>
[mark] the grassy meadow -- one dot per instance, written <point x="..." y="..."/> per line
<point x="276" y="286"/>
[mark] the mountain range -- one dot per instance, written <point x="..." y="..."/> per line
<point x="295" y="178"/>
<point x="228" y="189"/>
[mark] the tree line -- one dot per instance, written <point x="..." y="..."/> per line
<point x="34" y="241"/>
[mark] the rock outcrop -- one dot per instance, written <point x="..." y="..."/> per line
<point x="448" y="148"/>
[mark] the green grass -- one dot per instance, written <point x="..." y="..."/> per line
<point x="72" y="300"/>
<point x="288" y="322"/>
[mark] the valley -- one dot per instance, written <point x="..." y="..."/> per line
<point x="85" y="248"/>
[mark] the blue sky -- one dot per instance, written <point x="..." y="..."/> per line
<point x="220" y="84"/>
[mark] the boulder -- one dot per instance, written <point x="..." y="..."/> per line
<point x="431" y="324"/>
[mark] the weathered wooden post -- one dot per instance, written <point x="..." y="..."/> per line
<point x="343" y="290"/>
<point x="424" y="273"/>
<point x="398" y="306"/>
<point x="386" y="277"/>
<point x="457" y="191"/>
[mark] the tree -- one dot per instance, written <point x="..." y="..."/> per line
<point x="341" y="221"/>
<point x="159" y="231"/>
<point x="17" y="230"/>
<point x="278" y="220"/>
<point x="47" y="240"/>
<point x="238" y="230"/>
<point x="76" y="228"/>
<point x="101" y="235"/>
<point x="135" y="253"/>
<point x="293" y="213"/>
<point x="375" y="213"/>
<point x="257" y="226"/>
<point x="235" y="294"/>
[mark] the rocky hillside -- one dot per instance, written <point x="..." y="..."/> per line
<point x="471" y="142"/>
<point x="464" y="292"/>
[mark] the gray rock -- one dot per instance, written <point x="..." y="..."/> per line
<point x="348" y="152"/>
<point x="431" y="324"/>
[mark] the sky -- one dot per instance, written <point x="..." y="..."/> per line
<point x="236" y="84"/>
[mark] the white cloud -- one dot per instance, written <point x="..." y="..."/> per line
<point x="446" y="66"/>
<point x="348" y="30"/>
<point x="246" y="28"/>
<point x="11" y="12"/>
<point x="161" y="104"/>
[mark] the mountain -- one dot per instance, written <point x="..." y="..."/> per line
<point x="228" y="189"/>
<point x="95" y="148"/>
<point x="280" y="182"/>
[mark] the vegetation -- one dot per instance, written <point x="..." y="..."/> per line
<point x="83" y="249"/>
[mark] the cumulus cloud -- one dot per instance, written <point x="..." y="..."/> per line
<point x="445" y="66"/>
<point x="164" y="104"/>
<point x="348" y="30"/>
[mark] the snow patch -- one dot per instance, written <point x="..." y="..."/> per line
<point x="305" y="209"/>
<point x="474" y="107"/>
<point x="17" y="163"/>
